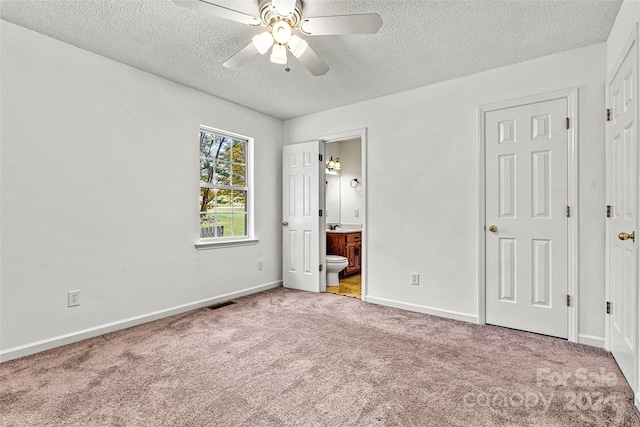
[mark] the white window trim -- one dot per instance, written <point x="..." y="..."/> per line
<point x="249" y="239"/>
<point x="210" y="243"/>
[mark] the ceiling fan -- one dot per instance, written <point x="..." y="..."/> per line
<point x="283" y="18"/>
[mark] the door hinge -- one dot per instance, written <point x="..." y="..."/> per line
<point x="568" y="211"/>
<point x="320" y="267"/>
<point x="568" y="121"/>
<point x="320" y="212"/>
<point x="608" y="211"/>
<point x="320" y="155"/>
<point x="608" y="307"/>
<point x="608" y="114"/>
<point x="568" y="300"/>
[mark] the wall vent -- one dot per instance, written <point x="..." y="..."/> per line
<point x="220" y="305"/>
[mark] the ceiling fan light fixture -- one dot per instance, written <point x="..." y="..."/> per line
<point x="281" y="32"/>
<point x="281" y="18"/>
<point x="263" y="42"/>
<point x="279" y="54"/>
<point x="297" y="46"/>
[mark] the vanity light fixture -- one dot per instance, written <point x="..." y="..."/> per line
<point x="334" y="164"/>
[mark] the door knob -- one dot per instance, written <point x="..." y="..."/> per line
<point x="627" y="236"/>
<point x="285" y="223"/>
<point x="493" y="228"/>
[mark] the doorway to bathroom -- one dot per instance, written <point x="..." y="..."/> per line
<point x="344" y="215"/>
<point x="305" y="182"/>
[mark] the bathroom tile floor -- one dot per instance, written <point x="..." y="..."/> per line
<point x="349" y="287"/>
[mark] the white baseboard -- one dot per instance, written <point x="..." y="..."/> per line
<point x="591" y="340"/>
<point x="465" y="317"/>
<point x="46" y="344"/>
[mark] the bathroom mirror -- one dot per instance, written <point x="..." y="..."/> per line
<point x="332" y="201"/>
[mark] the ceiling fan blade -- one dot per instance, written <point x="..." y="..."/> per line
<point x="367" y="23"/>
<point x="241" y="57"/>
<point x="284" y="7"/>
<point x="222" y="12"/>
<point x="313" y="62"/>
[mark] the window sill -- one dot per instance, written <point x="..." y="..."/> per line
<point x="214" y="244"/>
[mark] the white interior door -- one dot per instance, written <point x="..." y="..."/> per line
<point x="301" y="167"/>
<point x="621" y="248"/>
<point x="526" y="200"/>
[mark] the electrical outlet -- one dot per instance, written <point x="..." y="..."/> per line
<point x="260" y="265"/>
<point x="356" y="213"/>
<point x="415" y="279"/>
<point x="73" y="298"/>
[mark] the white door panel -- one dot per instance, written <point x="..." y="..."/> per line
<point x="621" y="186"/>
<point x="301" y="219"/>
<point x="526" y="197"/>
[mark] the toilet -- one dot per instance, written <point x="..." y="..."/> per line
<point x="335" y="264"/>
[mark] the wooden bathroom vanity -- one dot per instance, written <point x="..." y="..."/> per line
<point x="347" y="244"/>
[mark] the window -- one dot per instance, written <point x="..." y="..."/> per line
<point x="225" y="190"/>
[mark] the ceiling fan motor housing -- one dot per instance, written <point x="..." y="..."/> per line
<point x="268" y="14"/>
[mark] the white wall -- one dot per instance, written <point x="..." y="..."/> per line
<point x="332" y="199"/>
<point x="422" y="207"/>
<point x="351" y="200"/>
<point x="627" y="17"/>
<point x="333" y="194"/>
<point x="99" y="180"/>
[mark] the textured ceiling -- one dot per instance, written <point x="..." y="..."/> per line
<point x="420" y="43"/>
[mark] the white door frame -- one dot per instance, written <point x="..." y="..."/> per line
<point x="571" y="95"/>
<point x="341" y="136"/>
<point x="634" y="37"/>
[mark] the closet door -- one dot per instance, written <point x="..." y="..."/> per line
<point x="622" y="175"/>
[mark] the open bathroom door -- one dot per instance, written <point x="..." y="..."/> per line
<point x="302" y="220"/>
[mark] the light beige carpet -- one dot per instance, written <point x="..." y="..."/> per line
<point x="290" y="358"/>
